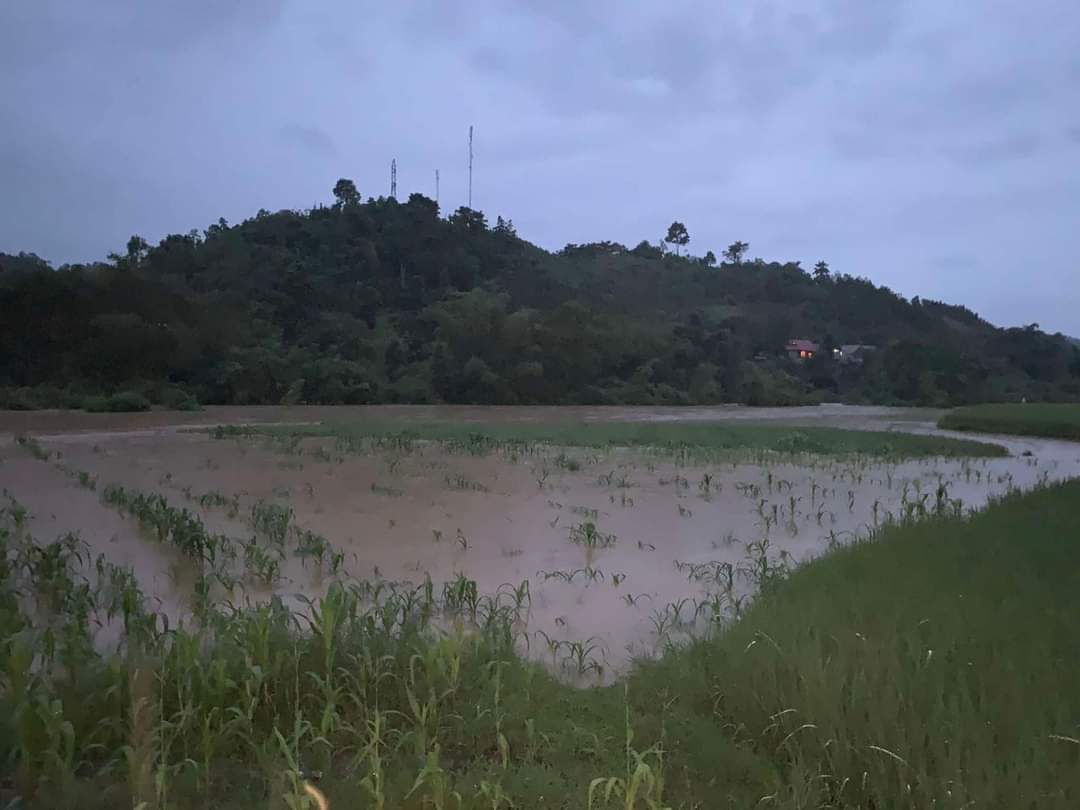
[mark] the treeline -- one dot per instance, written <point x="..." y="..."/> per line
<point x="388" y="301"/>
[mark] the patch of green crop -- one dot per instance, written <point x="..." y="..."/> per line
<point x="696" y="440"/>
<point x="1048" y="420"/>
<point x="932" y="665"/>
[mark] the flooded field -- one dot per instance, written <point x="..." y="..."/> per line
<point x="847" y="416"/>
<point x="603" y="554"/>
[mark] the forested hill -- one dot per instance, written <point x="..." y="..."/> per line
<point x="389" y="302"/>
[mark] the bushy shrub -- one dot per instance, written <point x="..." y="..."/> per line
<point x="18" y="399"/>
<point x="177" y="399"/>
<point x="774" y="387"/>
<point x="123" y="402"/>
<point x="27" y="398"/>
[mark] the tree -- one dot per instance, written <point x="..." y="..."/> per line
<point x="217" y="228"/>
<point x="677" y="235"/>
<point x="821" y="271"/>
<point x="735" y="252"/>
<point x="469" y="219"/>
<point x="23" y="263"/>
<point x="345" y="193"/>
<point x="136" y="250"/>
<point x="645" y="250"/>
<point x="504" y="227"/>
<point x="383" y="301"/>
<point x="442" y="374"/>
<point x="709" y="259"/>
<point x="425" y="208"/>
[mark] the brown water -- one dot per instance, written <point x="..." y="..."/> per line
<point x="503" y="520"/>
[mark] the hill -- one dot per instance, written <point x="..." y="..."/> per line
<point x="390" y="302"/>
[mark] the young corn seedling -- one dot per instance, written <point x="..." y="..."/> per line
<point x="553" y="645"/>
<point x="565" y="576"/>
<point x="591" y="574"/>
<point x="493" y="795"/>
<point x="662" y="624"/>
<point x="587" y="534"/>
<point x="642" y="784"/>
<point x="705" y="485"/>
<point x="541" y="475"/>
<point x="520" y="596"/>
<point x="565" y="462"/>
<point x="580" y="656"/>
<point x="370" y="757"/>
<point x="436" y="783"/>
<point x="675" y="609"/>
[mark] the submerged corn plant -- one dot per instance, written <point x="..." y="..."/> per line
<point x="587" y="534"/>
<point x="416" y="695"/>
<point x="178" y="527"/>
<point x="33" y="446"/>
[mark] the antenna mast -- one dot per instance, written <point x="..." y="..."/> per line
<point x="393" y="178"/>
<point x="436" y="187"/>
<point x="470" y="166"/>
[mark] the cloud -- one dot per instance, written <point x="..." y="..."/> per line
<point x="956" y="261"/>
<point x="691" y="58"/>
<point x="914" y="142"/>
<point x="313" y="140"/>
<point x="1011" y="147"/>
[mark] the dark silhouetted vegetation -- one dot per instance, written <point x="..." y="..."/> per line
<point x="387" y="301"/>
<point x="125" y="401"/>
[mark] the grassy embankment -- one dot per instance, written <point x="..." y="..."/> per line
<point x="934" y="666"/>
<point x="1058" y="421"/>
<point x="695" y="439"/>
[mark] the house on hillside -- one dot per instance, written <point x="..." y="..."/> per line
<point x="799" y="349"/>
<point x="852" y="353"/>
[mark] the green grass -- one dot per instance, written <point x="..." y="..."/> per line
<point x="695" y="439"/>
<point x="934" y="666"/>
<point x="1035" y="419"/>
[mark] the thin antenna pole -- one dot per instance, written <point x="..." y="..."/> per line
<point x="436" y="187"/>
<point x="470" y="166"/>
<point x="393" y="178"/>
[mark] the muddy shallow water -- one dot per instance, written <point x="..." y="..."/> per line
<point x="620" y="547"/>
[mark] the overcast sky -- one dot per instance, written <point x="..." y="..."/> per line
<point x="932" y="146"/>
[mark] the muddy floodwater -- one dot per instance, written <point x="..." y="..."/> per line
<point x="622" y="550"/>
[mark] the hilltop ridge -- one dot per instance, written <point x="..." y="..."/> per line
<point x="387" y="301"/>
